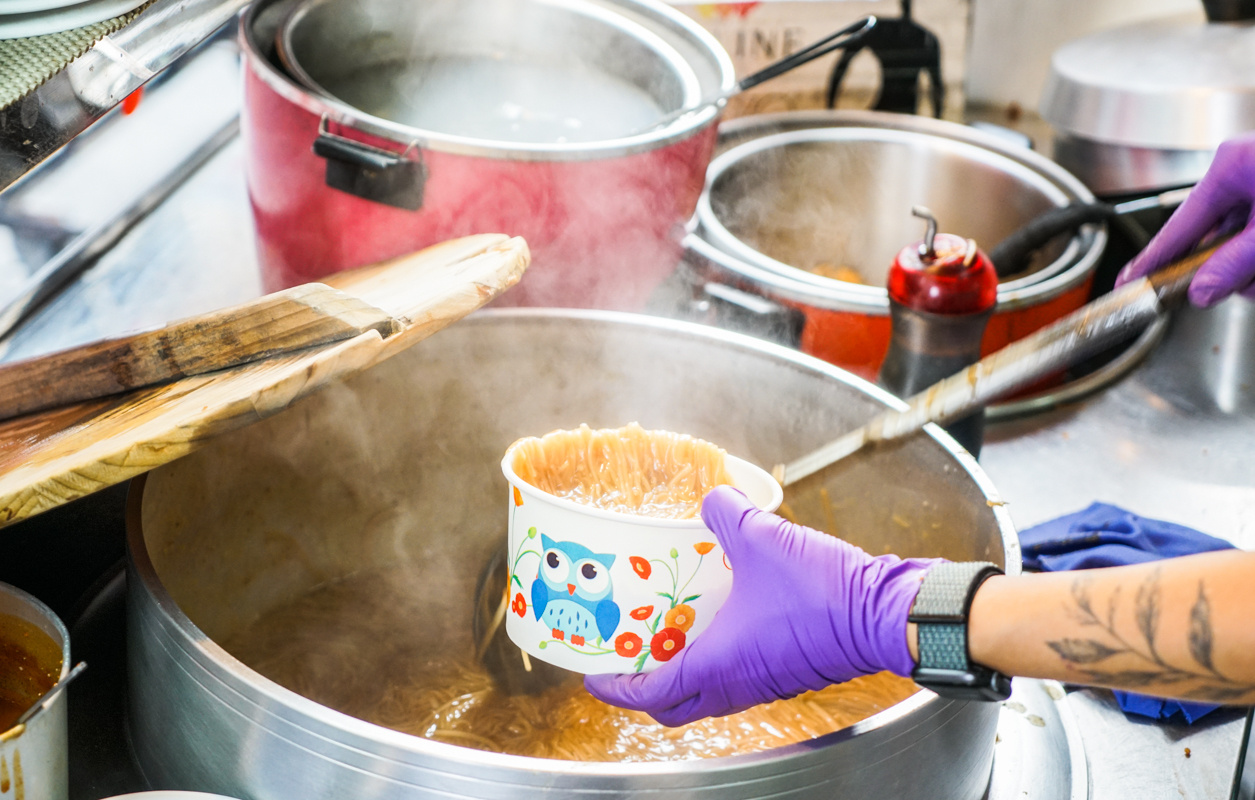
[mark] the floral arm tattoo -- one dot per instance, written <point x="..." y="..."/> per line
<point x="1125" y="661"/>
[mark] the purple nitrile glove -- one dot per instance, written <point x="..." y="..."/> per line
<point x="806" y="610"/>
<point x="1224" y="200"/>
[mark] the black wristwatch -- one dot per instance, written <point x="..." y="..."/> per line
<point x="940" y="610"/>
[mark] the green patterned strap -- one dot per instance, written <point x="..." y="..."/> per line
<point x="27" y="62"/>
<point x="940" y="610"/>
<point x="943" y="646"/>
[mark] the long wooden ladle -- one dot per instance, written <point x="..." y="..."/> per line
<point x="1086" y="331"/>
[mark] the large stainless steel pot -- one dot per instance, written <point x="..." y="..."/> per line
<point x="342" y="171"/>
<point x="400" y="467"/>
<point x="790" y="191"/>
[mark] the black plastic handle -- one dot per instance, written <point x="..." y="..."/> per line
<point x="1229" y="10"/>
<point x="354" y="153"/>
<point x="737" y="310"/>
<point x="1011" y="255"/>
<point x="372" y="173"/>
<point x="850" y="35"/>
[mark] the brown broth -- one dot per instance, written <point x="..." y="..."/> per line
<point x="360" y="647"/>
<point x="30" y="663"/>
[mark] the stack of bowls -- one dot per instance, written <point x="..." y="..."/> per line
<point x="22" y="18"/>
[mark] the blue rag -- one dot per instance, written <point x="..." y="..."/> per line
<point x="1108" y="536"/>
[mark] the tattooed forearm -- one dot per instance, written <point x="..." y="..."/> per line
<point x="1132" y="657"/>
<point x="1179" y="628"/>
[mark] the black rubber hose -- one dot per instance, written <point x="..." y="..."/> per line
<point x="1011" y="255"/>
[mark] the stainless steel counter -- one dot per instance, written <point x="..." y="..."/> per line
<point x="1174" y="440"/>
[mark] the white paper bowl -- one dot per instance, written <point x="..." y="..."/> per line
<point x="633" y="622"/>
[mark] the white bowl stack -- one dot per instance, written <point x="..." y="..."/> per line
<point x="23" y="18"/>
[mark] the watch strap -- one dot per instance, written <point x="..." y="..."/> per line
<point x="940" y="612"/>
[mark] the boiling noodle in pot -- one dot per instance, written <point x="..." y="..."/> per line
<point x="367" y="646"/>
<point x="628" y="469"/>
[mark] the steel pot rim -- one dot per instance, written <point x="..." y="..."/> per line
<point x="334" y="110"/>
<point x="247" y="685"/>
<point x="829" y="295"/>
<point x="288" y="55"/>
<point x="1066" y="272"/>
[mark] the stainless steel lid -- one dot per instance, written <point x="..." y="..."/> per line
<point x="1179" y="83"/>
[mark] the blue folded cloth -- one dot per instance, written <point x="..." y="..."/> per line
<point x="1108" y="536"/>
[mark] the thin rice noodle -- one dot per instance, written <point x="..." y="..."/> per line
<point x="628" y="469"/>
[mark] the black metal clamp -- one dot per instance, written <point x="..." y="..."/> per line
<point x="904" y="49"/>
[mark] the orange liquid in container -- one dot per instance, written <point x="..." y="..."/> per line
<point x="30" y="663"/>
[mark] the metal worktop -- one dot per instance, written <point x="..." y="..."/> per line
<point x="1173" y="440"/>
<point x="39" y="125"/>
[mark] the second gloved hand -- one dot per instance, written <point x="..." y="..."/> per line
<point x="806" y="610"/>
<point x="1224" y="200"/>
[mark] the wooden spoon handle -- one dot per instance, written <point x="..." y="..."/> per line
<point x="283" y="322"/>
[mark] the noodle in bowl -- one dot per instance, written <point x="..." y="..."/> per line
<point x="600" y="591"/>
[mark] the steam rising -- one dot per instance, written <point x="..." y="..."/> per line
<point x="373" y="505"/>
<point x="842" y="196"/>
<point x="603" y="229"/>
<point x="520" y="72"/>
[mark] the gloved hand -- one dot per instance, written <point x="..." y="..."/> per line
<point x="806" y="610"/>
<point x="1224" y="200"/>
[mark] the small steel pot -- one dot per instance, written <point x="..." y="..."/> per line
<point x="33" y="754"/>
<point x="338" y="178"/>
<point x="400" y="466"/>
<point x="789" y="191"/>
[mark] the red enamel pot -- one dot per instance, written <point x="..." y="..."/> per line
<point x="350" y="163"/>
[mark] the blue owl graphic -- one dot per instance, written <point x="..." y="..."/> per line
<point x="572" y="592"/>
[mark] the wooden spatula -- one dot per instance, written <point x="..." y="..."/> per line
<point x="51" y="457"/>
<point x="304" y="316"/>
<point x="1086" y="331"/>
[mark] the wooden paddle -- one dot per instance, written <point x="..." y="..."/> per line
<point x="296" y="318"/>
<point x="52" y="457"/>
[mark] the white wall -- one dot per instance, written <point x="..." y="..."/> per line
<point x="1012" y="40"/>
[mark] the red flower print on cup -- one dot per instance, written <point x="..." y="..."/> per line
<point x="628" y="645"/>
<point x="680" y="617"/>
<point x="703" y="548"/>
<point x="641" y="613"/>
<point x="519" y="606"/>
<point x="666" y="643"/>
<point x="641" y="566"/>
<point x="518" y="497"/>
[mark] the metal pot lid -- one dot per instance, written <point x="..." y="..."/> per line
<point x="1179" y="83"/>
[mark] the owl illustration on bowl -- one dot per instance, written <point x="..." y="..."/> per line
<point x="572" y="594"/>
